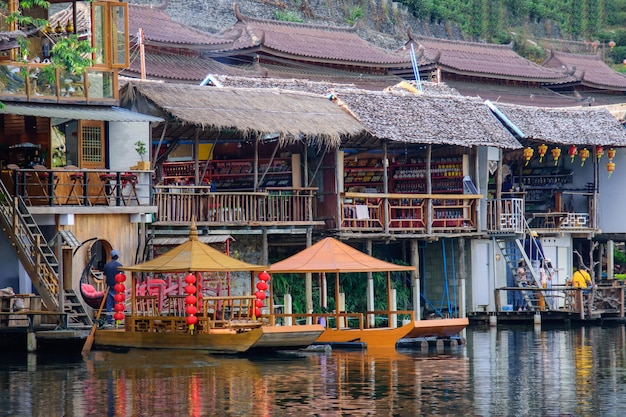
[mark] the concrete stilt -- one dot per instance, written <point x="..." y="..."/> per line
<point x="493" y="320"/>
<point x="31" y="342"/>
<point x="537" y="318"/>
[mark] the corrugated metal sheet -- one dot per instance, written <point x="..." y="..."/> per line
<point x="69" y="111"/>
<point x="179" y="240"/>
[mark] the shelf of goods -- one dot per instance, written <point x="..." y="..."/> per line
<point x="446" y="176"/>
<point x="363" y="175"/>
<point x="540" y="184"/>
<point x="232" y="174"/>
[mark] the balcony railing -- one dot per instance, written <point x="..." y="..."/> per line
<point x="72" y="186"/>
<point x="409" y="213"/>
<point x="274" y="206"/>
<point x="26" y="82"/>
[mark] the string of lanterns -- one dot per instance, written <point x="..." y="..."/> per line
<point x="191" y="300"/>
<point x="261" y="287"/>
<point x="119" y="298"/>
<point x="573" y="151"/>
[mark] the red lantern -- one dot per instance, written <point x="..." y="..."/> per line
<point x="257" y="312"/>
<point x="573" y="151"/>
<point x="118" y="316"/>
<point x="191" y="310"/>
<point x="190" y="299"/>
<point x="556" y="154"/>
<point x="543" y="148"/>
<point x="264" y="276"/>
<point x="119" y="297"/>
<point x="611" y="154"/>
<point x="118" y="307"/>
<point x="599" y="152"/>
<point x="119" y="277"/>
<point x="190" y="289"/>
<point x="610" y="166"/>
<point x="190" y="279"/>
<point x="262" y="285"/>
<point x="584" y="154"/>
<point x="191" y="320"/>
<point x="119" y="288"/>
<point x="528" y="153"/>
<point x="612" y="44"/>
<point x="258" y="303"/>
<point x="260" y="295"/>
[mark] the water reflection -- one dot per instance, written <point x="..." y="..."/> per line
<point x="505" y="372"/>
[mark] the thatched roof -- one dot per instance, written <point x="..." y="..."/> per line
<point x="250" y="112"/>
<point x="567" y="126"/>
<point x="404" y="117"/>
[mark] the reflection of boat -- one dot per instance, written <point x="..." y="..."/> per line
<point x="224" y="324"/>
<point x="331" y="255"/>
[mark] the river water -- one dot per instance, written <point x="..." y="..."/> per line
<point x="498" y="372"/>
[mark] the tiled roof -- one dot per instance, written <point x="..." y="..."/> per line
<point x="159" y="27"/>
<point x="311" y="42"/>
<point x="179" y="68"/>
<point x="480" y="59"/>
<point x="590" y="68"/>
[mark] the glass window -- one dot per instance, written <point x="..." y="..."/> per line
<point x="119" y="35"/>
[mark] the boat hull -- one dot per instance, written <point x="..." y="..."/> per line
<point x="380" y="337"/>
<point x="224" y="341"/>
<point x="440" y="328"/>
<point x="288" y="337"/>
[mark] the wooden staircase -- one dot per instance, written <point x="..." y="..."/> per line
<point x="39" y="260"/>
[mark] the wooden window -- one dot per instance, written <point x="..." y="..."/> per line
<point x="110" y="34"/>
<point x="91" y="146"/>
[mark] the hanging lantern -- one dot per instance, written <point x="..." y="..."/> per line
<point x="612" y="44"/>
<point x="528" y="153"/>
<point x="119" y="298"/>
<point x="191" y="300"/>
<point x="556" y="154"/>
<point x="543" y="148"/>
<point x="262" y="286"/>
<point x="573" y="151"/>
<point x="611" y="154"/>
<point x="610" y="166"/>
<point x="264" y="276"/>
<point x="584" y="154"/>
<point x="599" y="152"/>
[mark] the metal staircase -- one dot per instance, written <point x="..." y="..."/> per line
<point x="39" y="260"/>
<point x="513" y="253"/>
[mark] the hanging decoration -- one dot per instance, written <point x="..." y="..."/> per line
<point x="573" y="151"/>
<point x="119" y="298"/>
<point x="584" y="154"/>
<point x="610" y="166"/>
<point x="556" y="154"/>
<point x="543" y="148"/>
<point x="611" y="154"/>
<point x="599" y="152"/>
<point x="190" y="301"/>
<point x="261" y="287"/>
<point x="528" y="153"/>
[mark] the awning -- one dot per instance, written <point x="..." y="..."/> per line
<point x="76" y="112"/>
<point x="178" y="240"/>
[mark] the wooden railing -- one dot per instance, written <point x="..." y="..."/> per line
<point x="179" y="204"/>
<point x="26" y="82"/>
<point x="505" y="215"/>
<point x="78" y="187"/>
<point x="420" y="213"/>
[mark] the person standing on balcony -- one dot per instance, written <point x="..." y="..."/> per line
<point x="534" y="252"/>
<point x="111" y="269"/>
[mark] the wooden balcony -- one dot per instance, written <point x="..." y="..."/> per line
<point x="409" y="213"/>
<point x="72" y="186"/>
<point x="178" y="205"/>
<point x="25" y="82"/>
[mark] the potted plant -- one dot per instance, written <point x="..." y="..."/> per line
<point x="140" y="147"/>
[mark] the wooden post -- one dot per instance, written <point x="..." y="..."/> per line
<point x="308" y="281"/>
<point x="415" y="280"/>
<point x="370" y="288"/>
<point x="288" y="309"/>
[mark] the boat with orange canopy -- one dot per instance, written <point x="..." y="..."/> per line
<point x="332" y="256"/>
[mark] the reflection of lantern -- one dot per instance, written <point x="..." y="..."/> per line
<point x="599" y="152"/>
<point x="528" y="153"/>
<point x="573" y="151"/>
<point x="556" y="154"/>
<point x="611" y="154"/>
<point x="610" y="166"/>
<point x="584" y="154"/>
<point x="543" y="148"/>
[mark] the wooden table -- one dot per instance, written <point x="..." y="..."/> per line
<point x="552" y="220"/>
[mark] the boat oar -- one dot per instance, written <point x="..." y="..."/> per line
<point x="92" y="333"/>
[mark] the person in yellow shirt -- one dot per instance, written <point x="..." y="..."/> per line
<point x="581" y="278"/>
